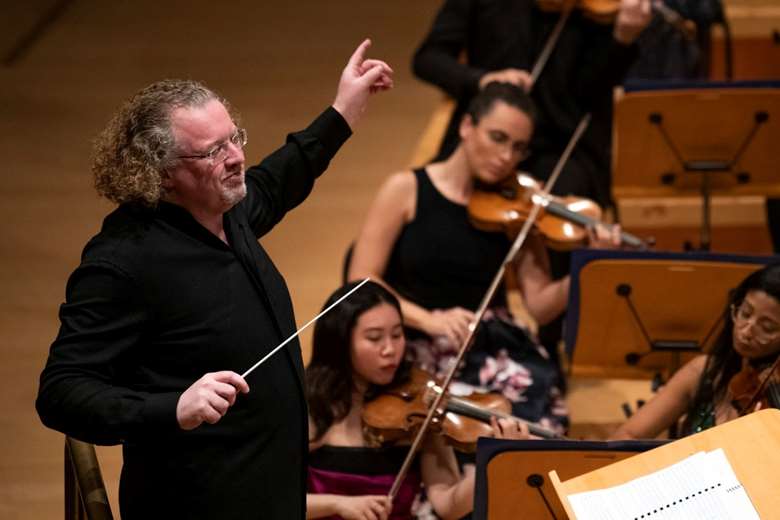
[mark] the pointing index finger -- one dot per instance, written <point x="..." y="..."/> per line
<point x="360" y="53"/>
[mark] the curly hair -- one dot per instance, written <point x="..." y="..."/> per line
<point x="137" y="145"/>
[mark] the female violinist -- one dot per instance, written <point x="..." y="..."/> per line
<point x="358" y="349"/>
<point x="718" y="387"/>
<point x="417" y="238"/>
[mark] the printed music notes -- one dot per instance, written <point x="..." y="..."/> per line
<point x="701" y="486"/>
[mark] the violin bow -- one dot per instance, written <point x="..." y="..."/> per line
<point x="686" y="27"/>
<point x="669" y="15"/>
<point x="483" y="306"/>
<point x="549" y="45"/>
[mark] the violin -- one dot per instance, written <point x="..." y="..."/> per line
<point x="605" y="12"/>
<point x="398" y="412"/>
<point x="752" y="386"/>
<point x="563" y="221"/>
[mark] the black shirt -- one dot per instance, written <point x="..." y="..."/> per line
<point x="157" y="302"/>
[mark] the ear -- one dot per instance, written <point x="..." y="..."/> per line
<point x="466" y="126"/>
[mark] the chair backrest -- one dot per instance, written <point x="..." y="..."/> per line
<point x="347" y="262"/>
<point x="85" y="493"/>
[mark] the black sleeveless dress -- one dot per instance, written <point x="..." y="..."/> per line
<point x="441" y="261"/>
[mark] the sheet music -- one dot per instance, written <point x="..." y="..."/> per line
<point x="702" y="486"/>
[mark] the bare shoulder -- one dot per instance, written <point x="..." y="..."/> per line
<point x="692" y="370"/>
<point x="696" y="365"/>
<point x="398" y="194"/>
<point x="400" y="183"/>
<point x="686" y="380"/>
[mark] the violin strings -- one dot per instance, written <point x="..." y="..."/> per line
<point x="463" y="405"/>
<point x="297" y="332"/>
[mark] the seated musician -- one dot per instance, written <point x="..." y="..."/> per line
<point x="417" y="238"/>
<point x="718" y="387"/>
<point x="357" y="349"/>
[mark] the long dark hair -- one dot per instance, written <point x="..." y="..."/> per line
<point x="329" y="383"/>
<point x="723" y="361"/>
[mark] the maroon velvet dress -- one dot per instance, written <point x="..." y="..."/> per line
<point x="340" y="470"/>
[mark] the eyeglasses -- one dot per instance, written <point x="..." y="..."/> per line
<point x="762" y="332"/>
<point x="219" y="152"/>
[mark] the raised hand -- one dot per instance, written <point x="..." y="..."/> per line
<point x="360" y="78"/>
<point x="632" y="18"/>
<point x="366" y="507"/>
<point x="208" y="399"/>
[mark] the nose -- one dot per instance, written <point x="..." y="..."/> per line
<point x="749" y="332"/>
<point x="506" y="154"/>
<point x="235" y="154"/>
<point x="389" y="347"/>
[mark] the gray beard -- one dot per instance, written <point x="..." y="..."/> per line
<point x="232" y="196"/>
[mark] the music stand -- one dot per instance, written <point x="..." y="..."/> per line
<point x="637" y="314"/>
<point x="751" y="444"/>
<point x="685" y="139"/>
<point x="511" y="476"/>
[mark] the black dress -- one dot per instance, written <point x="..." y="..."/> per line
<point x="441" y="261"/>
